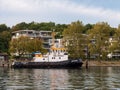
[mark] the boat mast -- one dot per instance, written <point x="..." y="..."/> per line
<point x="53" y="38"/>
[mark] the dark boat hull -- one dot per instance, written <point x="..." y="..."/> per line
<point x="62" y="64"/>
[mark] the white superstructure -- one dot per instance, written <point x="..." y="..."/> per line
<point x="55" y="55"/>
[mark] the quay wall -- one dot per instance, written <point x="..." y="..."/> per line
<point x="102" y="63"/>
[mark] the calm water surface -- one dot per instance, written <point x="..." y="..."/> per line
<point x="95" y="78"/>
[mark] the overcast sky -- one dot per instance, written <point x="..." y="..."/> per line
<point x="60" y="11"/>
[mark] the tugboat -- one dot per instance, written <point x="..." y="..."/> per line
<point x="55" y="58"/>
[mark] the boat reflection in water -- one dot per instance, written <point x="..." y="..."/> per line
<point x="35" y="79"/>
<point x="94" y="78"/>
<point x="51" y="79"/>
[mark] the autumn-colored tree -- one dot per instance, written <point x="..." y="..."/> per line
<point x="75" y="39"/>
<point x="99" y="37"/>
<point x="115" y="42"/>
<point x="25" y="45"/>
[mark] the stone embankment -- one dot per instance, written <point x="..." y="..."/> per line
<point x="89" y="63"/>
<point x="102" y="63"/>
<point x="5" y="64"/>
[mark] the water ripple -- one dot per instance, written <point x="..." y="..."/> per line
<point x="95" y="78"/>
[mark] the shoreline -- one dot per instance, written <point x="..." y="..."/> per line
<point x="89" y="62"/>
<point x="101" y="63"/>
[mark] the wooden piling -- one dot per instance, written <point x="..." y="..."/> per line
<point x="86" y="64"/>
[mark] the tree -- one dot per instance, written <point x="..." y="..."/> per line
<point x="3" y="27"/>
<point x="35" y="45"/>
<point x="59" y="28"/>
<point x="25" y="45"/>
<point x="115" y="44"/>
<point x="112" y="31"/>
<point x="5" y="37"/>
<point x="47" y="26"/>
<point x="33" y="26"/>
<point x="100" y="33"/>
<point x="20" y="26"/>
<point x="41" y="26"/>
<point x="73" y="36"/>
<point x="87" y="27"/>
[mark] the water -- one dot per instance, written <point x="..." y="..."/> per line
<point x="95" y="78"/>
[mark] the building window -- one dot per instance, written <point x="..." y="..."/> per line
<point x="53" y="57"/>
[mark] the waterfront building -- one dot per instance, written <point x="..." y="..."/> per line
<point x="115" y="53"/>
<point x="47" y="38"/>
<point x="58" y="43"/>
<point x="28" y="33"/>
<point x="4" y="56"/>
<point x="43" y="35"/>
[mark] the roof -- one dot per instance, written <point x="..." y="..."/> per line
<point x="3" y="54"/>
<point x="30" y="30"/>
<point x="23" y="30"/>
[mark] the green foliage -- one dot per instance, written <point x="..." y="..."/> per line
<point x="20" y="26"/>
<point x="87" y="27"/>
<point x="34" y="26"/>
<point x="100" y="33"/>
<point x="76" y="36"/>
<point x="116" y="41"/>
<point x="35" y="45"/>
<point x="5" y="37"/>
<point x="75" y="39"/>
<point x="59" y="28"/>
<point x="47" y="26"/>
<point x="3" y="27"/>
<point x="25" y="45"/>
<point x="112" y="31"/>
